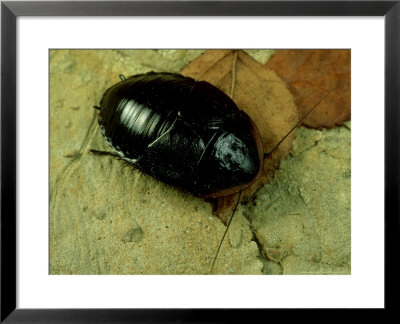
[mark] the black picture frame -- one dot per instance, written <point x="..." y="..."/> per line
<point x="10" y="10"/>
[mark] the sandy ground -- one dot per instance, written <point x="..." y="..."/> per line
<point x="107" y="218"/>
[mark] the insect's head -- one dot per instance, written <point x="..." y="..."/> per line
<point x="233" y="161"/>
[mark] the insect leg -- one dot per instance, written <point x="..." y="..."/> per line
<point x="96" y="152"/>
<point x="127" y="163"/>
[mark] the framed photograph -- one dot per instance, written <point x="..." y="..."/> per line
<point x="163" y="158"/>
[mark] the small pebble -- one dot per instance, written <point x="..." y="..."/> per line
<point x="100" y="213"/>
<point x="235" y="237"/>
<point x="133" y="235"/>
<point x="274" y="255"/>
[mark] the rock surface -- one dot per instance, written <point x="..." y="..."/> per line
<point x="107" y="218"/>
<point x="301" y="219"/>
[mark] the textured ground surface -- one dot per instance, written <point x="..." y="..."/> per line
<point x="106" y="218"/>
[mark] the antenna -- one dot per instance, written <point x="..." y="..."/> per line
<point x="297" y="124"/>
<point x="226" y="231"/>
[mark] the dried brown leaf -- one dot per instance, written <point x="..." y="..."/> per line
<point x="311" y="74"/>
<point x="259" y="92"/>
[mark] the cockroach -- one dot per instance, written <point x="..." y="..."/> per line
<point x="185" y="133"/>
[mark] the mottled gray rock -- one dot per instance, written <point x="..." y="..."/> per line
<point x="302" y="218"/>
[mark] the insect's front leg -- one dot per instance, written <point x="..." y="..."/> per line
<point x="96" y="152"/>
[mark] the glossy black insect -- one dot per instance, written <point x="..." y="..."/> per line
<point x="183" y="132"/>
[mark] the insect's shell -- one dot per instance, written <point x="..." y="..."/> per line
<point x="182" y="132"/>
